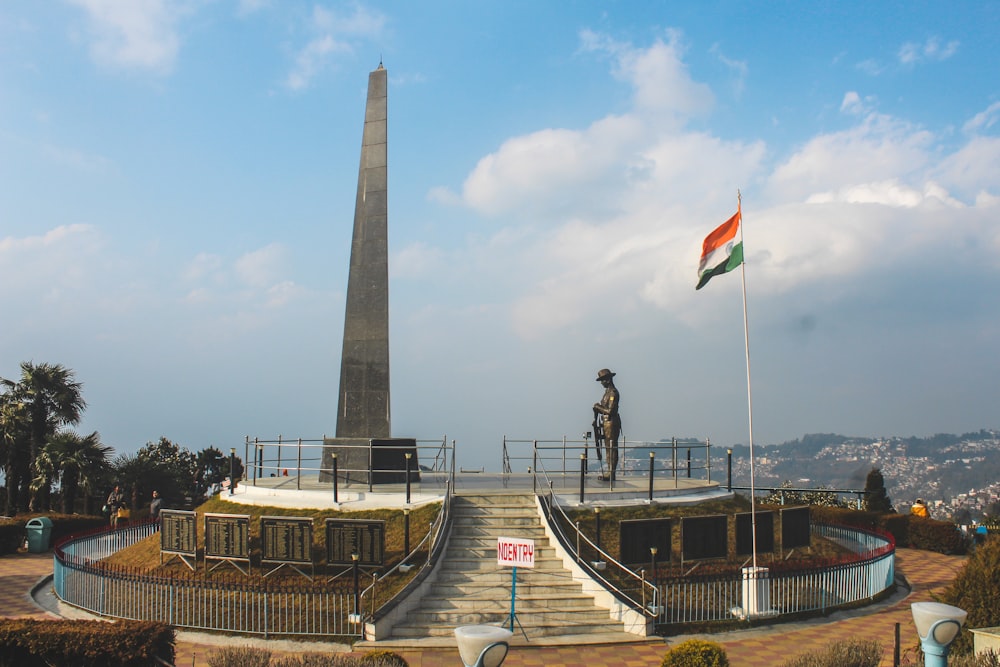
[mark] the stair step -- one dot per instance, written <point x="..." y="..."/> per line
<point x="532" y="630"/>
<point x="488" y="579"/>
<point x="470" y="588"/>
<point x="480" y="602"/>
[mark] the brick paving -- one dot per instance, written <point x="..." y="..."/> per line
<point x="927" y="573"/>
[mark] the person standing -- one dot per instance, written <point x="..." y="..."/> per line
<point x="919" y="508"/>
<point x="610" y="421"/>
<point x="116" y="500"/>
<point x="154" y="506"/>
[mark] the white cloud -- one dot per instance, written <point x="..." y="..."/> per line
<point x="879" y="148"/>
<point x="973" y="168"/>
<point x="417" y="259"/>
<point x="559" y="172"/>
<point x="55" y="268"/>
<point x="257" y="277"/>
<point x="932" y="49"/>
<point x="262" y="268"/>
<point x="887" y="193"/>
<point x="854" y="105"/>
<point x="545" y="171"/>
<point x="53" y="237"/>
<point x="134" y="34"/>
<point x="871" y="67"/>
<point x="739" y="68"/>
<point x="248" y="7"/>
<point x="201" y="267"/>
<point x="601" y="224"/>
<point x="443" y="195"/>
<point x="75" y="159"/>
<point x="983" y="120"/>
<point x="333" y="34"/>
<point x="311" y="59"/>
<point x="281" y="294"/>
<point x="662" y="87"/>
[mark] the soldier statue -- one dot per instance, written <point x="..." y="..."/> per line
<point x="608" y="423"/>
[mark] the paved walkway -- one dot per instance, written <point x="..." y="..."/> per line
<point x="927" y="573"/>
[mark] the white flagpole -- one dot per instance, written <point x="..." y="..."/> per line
<point x="746" y="341"/>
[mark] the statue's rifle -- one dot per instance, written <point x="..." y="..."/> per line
<point x="599" y="436"/>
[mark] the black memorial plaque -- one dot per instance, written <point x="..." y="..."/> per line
<point x="286" y="539"/>
<point x="704" y="537"/>
<point x="179" y="532"/>
<point x="744" y="533"/>
<point x="227" y="536"/>
<point x="345" y="537"/>
<point x="794" y="527"/>
<point x="636" y="536"/>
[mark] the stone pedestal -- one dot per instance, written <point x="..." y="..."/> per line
<point x="370" y="460"/>
<point x="756" y="593"/>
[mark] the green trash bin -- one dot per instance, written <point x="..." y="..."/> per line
<point x="39" y="534"/>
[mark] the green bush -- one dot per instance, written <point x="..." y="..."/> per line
<point x="13" y="530"/>
<point x="976" y="589"/>
<point x="853" y="653"/>
<point x="382" y="658"/>
<point x="240" y="656"/>
<point x="908" y="531"/>
<point x="308" y="660"/>
<point x="696" y="653"/>
<point x="987" y="659"/>
<point x="11" y="535"/>
<point x="940" y="536"/>
<point x="31" y="643"/>
<point x="255" y="657"/>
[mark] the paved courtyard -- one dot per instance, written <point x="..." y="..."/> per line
<point x="926" y="572"/>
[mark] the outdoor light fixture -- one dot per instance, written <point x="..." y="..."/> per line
<point x="232" y="470"/>
<point x="937" y="624"/>
<point x="483" y="645"/>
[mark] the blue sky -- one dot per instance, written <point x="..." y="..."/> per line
<point x="177" y="187"/>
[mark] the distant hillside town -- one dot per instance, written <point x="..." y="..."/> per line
<point x="954" y="474"/>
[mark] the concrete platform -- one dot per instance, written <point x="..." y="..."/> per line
<point x="308" y="493"/>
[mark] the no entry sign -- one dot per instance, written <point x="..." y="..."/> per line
<point x="515" y="552"/>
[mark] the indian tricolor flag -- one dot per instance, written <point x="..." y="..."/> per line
<point x="722" y="251"/>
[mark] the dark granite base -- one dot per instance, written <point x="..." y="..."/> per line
<point x="375" y="461"/>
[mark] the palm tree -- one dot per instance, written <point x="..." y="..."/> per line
<point x="77" y="462"/>
<point x="52" y="399"/>
<point x="137" y="476"/>
<point x="14" y="449"/>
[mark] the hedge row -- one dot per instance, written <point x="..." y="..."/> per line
<point x="31" y="643"/>
<point x="908" y="530"/>
<point x="13" y="530"/>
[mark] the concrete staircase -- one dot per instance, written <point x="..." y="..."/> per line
<point x="470" y="588"/>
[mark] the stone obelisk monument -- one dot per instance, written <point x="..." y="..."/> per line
<point x="365" y="449"/>
<point x="363" y="403"/>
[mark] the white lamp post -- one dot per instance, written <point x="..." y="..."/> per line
<point x="938" y="625"/>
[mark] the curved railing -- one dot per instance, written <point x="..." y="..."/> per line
<point x="256" y="605"/>
<point x="793" y="588"/>
<point x="251" y="607"/>
<point x="714" y="596"/>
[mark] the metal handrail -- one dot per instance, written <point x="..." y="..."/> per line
<point x="566" y="447"/>
<point x="432" y="538"/>
<point x="642" y="604"/>
<point x="302" y="460"/>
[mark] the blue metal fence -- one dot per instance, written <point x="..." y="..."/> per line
<point x="696" y="598"/>
<point x="253" y="607"/>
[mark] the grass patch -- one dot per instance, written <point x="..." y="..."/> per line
<point x="820" y="549"/>
<point x="145" y="558"/>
